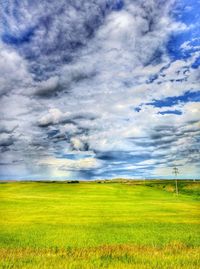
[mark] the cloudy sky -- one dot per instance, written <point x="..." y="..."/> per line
<point x="99" y="88"/>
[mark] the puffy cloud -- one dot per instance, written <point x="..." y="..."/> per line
<point x="6" y="140"/>
<point x="48" y="87"/>
<point x="13" y="70"/>
<point x="96" y="78"/>
<point x="54" y="116"/>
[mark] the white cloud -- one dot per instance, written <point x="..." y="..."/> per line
<point x="64" y="164"/>
<point x="13" y="70"/>
<point x="71" y="88"/>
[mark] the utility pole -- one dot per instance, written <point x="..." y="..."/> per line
<point x="176" y="172"/>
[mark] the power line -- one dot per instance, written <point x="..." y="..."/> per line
<point x="175" y="171"/>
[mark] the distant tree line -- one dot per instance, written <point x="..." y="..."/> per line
<point x="72" y="181"/>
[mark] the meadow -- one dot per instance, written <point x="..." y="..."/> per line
<point x="116" y="224"/>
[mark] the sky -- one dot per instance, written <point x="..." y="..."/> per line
<point x="94" y="89"/>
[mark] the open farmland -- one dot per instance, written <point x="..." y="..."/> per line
<point x="92" y="225"/>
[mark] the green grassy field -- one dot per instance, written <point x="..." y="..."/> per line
<point x="92" y="225"/>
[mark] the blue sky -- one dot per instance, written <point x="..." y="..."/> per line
<point x="99" y="89"/>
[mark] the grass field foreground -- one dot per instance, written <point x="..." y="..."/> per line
<point x="92" y="225"/>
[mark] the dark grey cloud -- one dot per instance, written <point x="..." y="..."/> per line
<point x="6" y="140"/>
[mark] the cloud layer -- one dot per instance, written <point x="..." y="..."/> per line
<point x="99" y="89"/>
